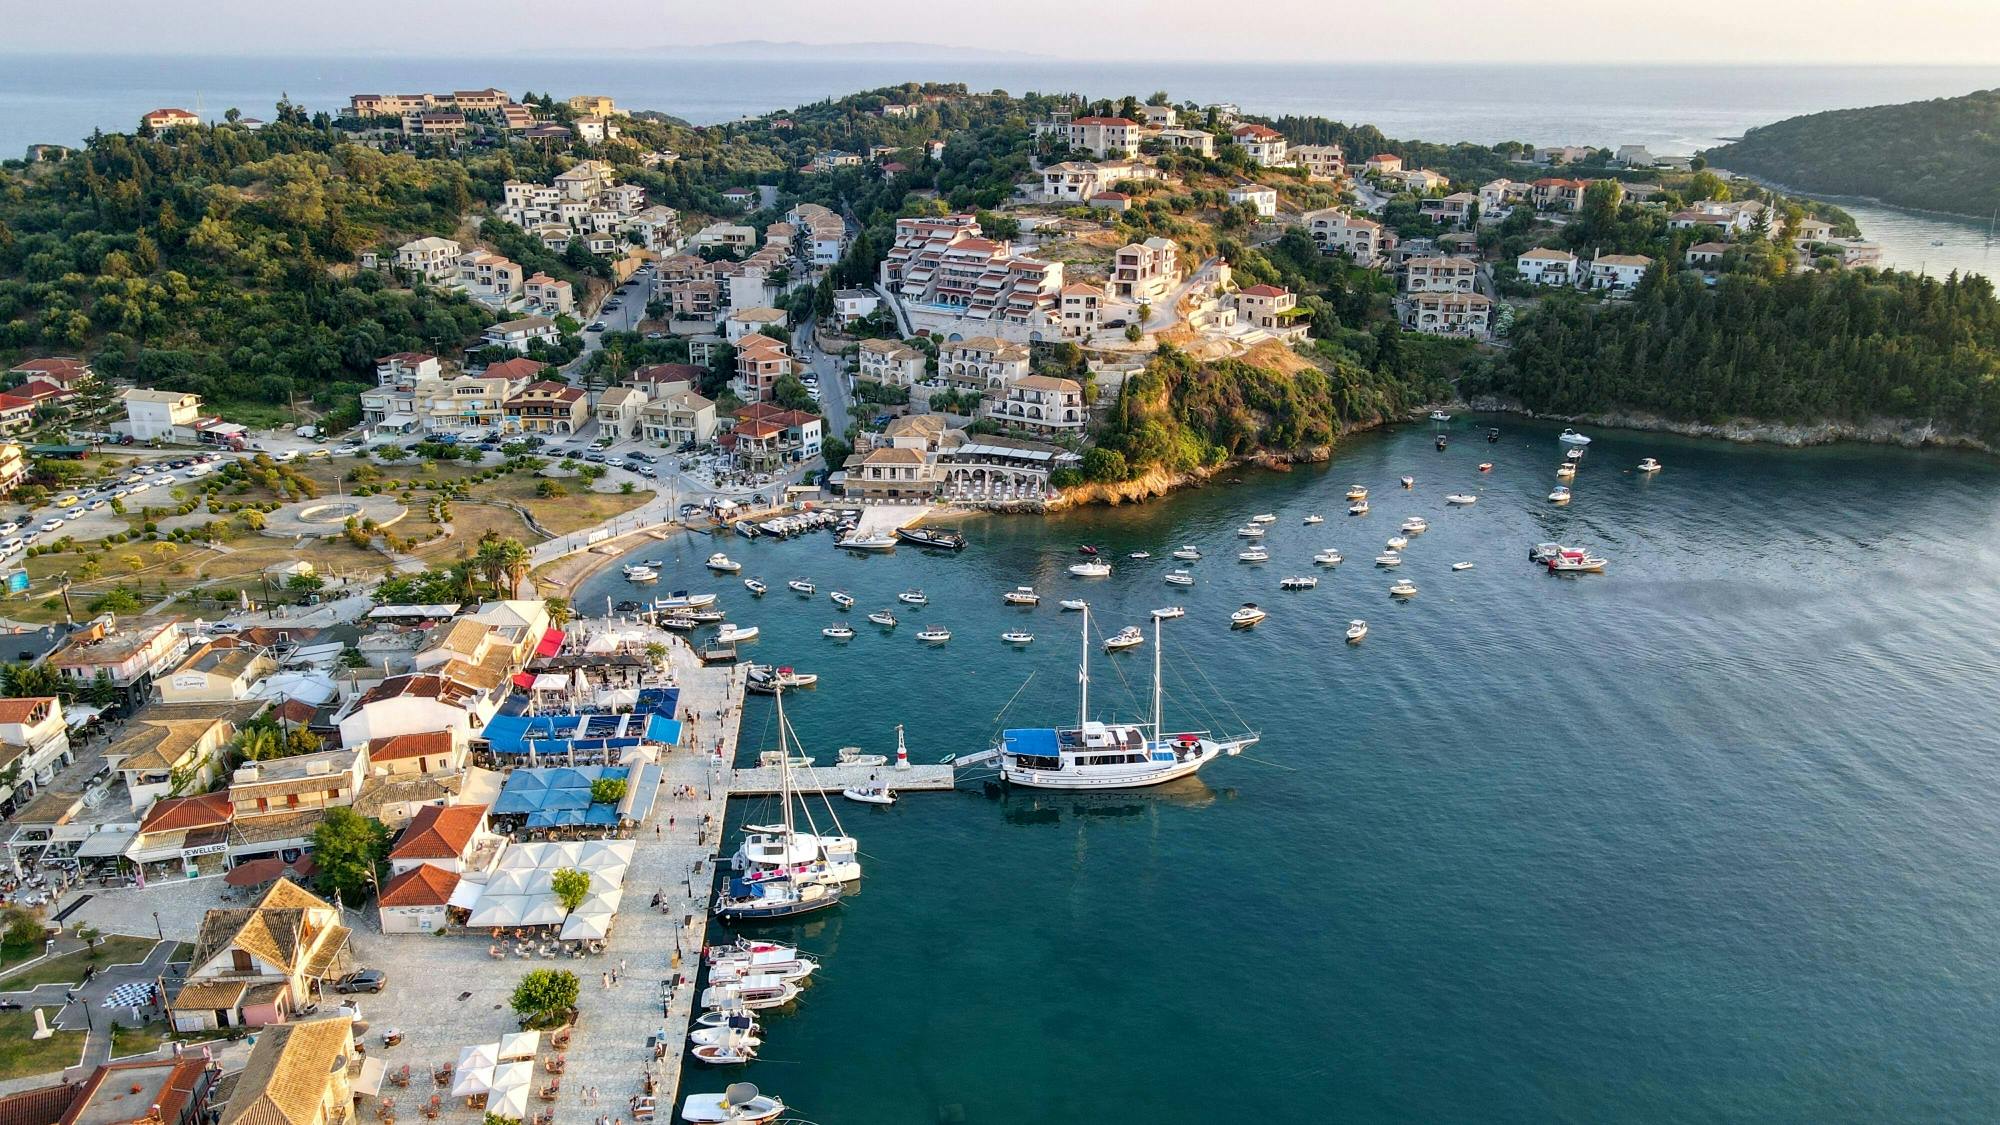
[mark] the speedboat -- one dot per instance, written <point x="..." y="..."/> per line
<point x="913" y="596"/>
<point x="883" y="618"/>
<point x="1168" y="612"/>
<point x="1462" y="499"/>
<point x="1247" y="616"/>
<point x="641" y="574"/>
<point x="1358" y="508"/>
<point x="1018" y="637"/>
<point x="1297" y="582"/>
<point x="1409" y="482"/>
<point x="679" y="622"/>
<point x="765" y="990"/>
<point x="1543" y="552"/>
<point x="755" y="586"/>
<point x="740" y="1103"/>
<point x="731" y="633"/>
<point x="1328" y="557"/>
<point x="1250" y="531"/>
<point x="873" y="794"/>
<point x="1416" y="525"/>
<point x="1021" y="595"/>
<point x="1254" y="554"/>
<point x="1461" y="566"/>
<point x="1403" y="589"/>
<point x="1314" y="519"/>
<point x="681" y="599"/>
<point x="1128" y="637"/>
<point x="876" y="542"/>
<point x="1140" y="555"/>
<point x="1571" y="437"/>
<point x="1648" y="465"/>
<point x="1093" y="569"/>
<point x="1356" y="492"/>
<point x="723" y="564"/>
<point x="718" y="1019"/>
<point x="1575" y="560"/>
<point x="934" y="635"/>
<point x="939" y="538"/>
<point x="1574" y="455"/>
<point x="802" y="586"/>
<point x="1397" y="542"/>
<point x="1265" y="517"/>
<point x="1187" y="553"/>
<point x="1356" y="629"/>
<point x="704" y="616"/>
<point x="842" y="599"/>
<point x="1559" y="496"/>
<point x="1486" y="466"/>
<point x="1566" y="470"/>
<point x="1440" y="416"/>
<point x="1389" y="559"/>
<point x="1179" y="577"/>
<point x="1073" y="603"/>
<point x="838" y="632"/>
<point x="732" y="1053"/>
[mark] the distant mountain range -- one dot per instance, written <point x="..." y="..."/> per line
<point x="767" y="49"/>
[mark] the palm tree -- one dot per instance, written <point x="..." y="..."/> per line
<point x="560" y="613"/>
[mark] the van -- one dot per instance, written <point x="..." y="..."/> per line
<point x="13" y="544"/>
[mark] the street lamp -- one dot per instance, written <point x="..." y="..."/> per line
<point x="156" y="926"/>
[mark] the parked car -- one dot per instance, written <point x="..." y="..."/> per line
<point x="595" y="326"/>
<point x="363" y="980"/>
<point x="641" y="456"/>
<point x="49" y="525"/>
<point x="614" y="462"/>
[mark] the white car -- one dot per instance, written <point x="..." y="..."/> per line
<point x="137" y="488"/>
<point x="614" y="462"/>
<point x="95" y="504"/>
<point x="120" y="493"/>
<point x="49" y="525"/>
<point x="74" y="513"/>
<point x="10" y="527"/>
<point x="164" y="480"/>
<point x="286" y="456"/>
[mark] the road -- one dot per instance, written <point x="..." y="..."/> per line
<point x="834" y="394"/>
<point x="632" y="297"/>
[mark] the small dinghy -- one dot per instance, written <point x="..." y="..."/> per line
<point x="1187" y="553"/>
<point x="1140" y="555"/>
<point x="1314" y="519"/>
<point x="876" y="794"/>
<point x="1397" y="542"/>
<point x="1389" y="559"/>
<point x="1404" y="589"/>
<point x="1461" y="566"/>
<point x="1264" y="517"/>
<point x="1462" y="499"/>
<point x="755" y="586"/>
<point x="842" y="599"/>
<point x="1648" y="465"/>
<point x="1409" y="482"/>
<point x="1179" y="578"/>
<point x="802" y="586"/>
<point x="732" y="633"/>
<point x="1356" y="492"/>
<point x="1168" y="612"/>
<point x="1297" y="582"/>
<point x="1358" y="508"/>
<point x="1486" y="466"/>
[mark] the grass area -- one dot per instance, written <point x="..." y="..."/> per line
<point x="21" y="1055"/>
<point x="68" y="968"/>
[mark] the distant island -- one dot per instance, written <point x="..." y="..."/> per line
<point x="897" y="51"/>
<point x="1938" y="155"/>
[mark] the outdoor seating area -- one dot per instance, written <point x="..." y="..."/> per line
<point x="520" y="898"/>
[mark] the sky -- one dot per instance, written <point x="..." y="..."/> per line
<point x="1503" y="31"/>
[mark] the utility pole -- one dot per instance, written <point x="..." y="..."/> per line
<point x="69" y="615"/>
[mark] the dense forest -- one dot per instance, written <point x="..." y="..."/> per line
<point x="1803" y="347"/>
<point x="1939" y="155"/>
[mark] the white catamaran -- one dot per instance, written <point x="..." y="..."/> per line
<point x="1098" y="756"/>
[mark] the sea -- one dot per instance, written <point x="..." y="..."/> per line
<point x="1673" y="109"/>
<point x="1709" y="836"/>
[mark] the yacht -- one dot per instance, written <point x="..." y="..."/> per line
<point x="877" y="542"/>
<point x="1265" y="517"/>
<point x="934" y="635"/>
<point x="1095" y="568"/>
<point x="883" y="618"/>
<point x="913" y="596"/>
<point x="732" y="965"/>
<point x="1356" y="629"/>
<point x="1358" y="508"/>
<point x="1543" y="552"/>
<point x="1018" y="637"/>
<point x="1461" y="566"/>
<point x="1576" y="560"/>
<point x="1571" y="437"/>
<point x="1397" y="542"/>
<point x="755" y="586"/>
<point x="731" y="633"/>
<point x="1559" y="496"/>
<point x="841" y="598"/>
<point x="838" y="632"/>
<point x="1297" y="582"/>
<point x="1072" y="604"/>
<point x="1416" y="525"/>
<point x="1314" y="519"/>
<point x="740" y="1104"/>
<point x="1390" y="558"/>
<point x="1328" y="557"/>
<point x="1131" y="636"/>
<point x="1179" y="577"/>
<point x="723" y="564"/>
<point x="1253" y="554"/>
<point x="1021" y="595"/>
<point x="1104" y="755"/>
<point x="1168" y="613"/>
<point x="1462" y="499"/>
<point x="642" y="574"/>
<point x="1648" y="465"/>
<point x="802" y="586"/>
<point x="1187" y="553"/>
<point x="1403" y="589"/>
<point x="785" y="872"/>
<point x="1247" y="616"/>
<point x="1250" y="531"/>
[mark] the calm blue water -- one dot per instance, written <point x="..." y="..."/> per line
<point x="1707" y="837"/>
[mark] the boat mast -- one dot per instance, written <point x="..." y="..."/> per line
<point x="1158" y="733"/>
<point x="1083" y="674"/>
<point x="784" y="771"/>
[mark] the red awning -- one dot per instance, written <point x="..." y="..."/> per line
<point x="524" y="680"/>
<point x="551" y="643"/>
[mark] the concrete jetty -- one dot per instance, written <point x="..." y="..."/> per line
<point x="763" y="781"/>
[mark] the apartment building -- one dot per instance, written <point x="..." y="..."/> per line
<point x="1145" y="271"/>
<point x="890" y="363"/>
<point x="1440" y="275"/>
<point x="1042" y="405"/>
<point x="1265" y="146"/>
<point x="433" y="259"/>
<point x="1337" y="232"/>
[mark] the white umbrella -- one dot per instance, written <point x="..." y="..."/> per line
<point x="520" y="1045"/>
<point x="542" y="912"/>
<point x="517" y="1075"/>
<point x="484" y="1054"/>
<point x="509" y="1103"/>
<point x="587" y="927"/>
<point x="476" y="1080"/>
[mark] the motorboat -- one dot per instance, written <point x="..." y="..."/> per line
<point x="740" y="1103"/>
<point x="679" y="622"/>
<point x="1486" y="466"/>
<point x="738" y="1027"/>
<point x="704" y="616"/>
<point x="841" y="598"/>
<point x="1087" y="549"/>
<point x="771" y="759"/>
<point x="1072" y="603"/>
<point x="1389" y="559"/>
<point x="1397" y="542"/>
<point x="1461" y="566"/>
<point x="1403" y="589"/>
<point x="1559" y="496"/>
<point x="1253" y="555"/>
<point x="1328" y="557"/>
<point x="1297" y="582"/>
<point x="734" y="965"/>
<point x="752" y="993"/>
<point x="932" y="538"/>
<point x="765" y="679"/>
<point x="1441" y="442"/>
<point x="934" y="635"/>
<point x="1573" y="455"/>
<point x="1018" y="637"/>
<point x="1356" y="629"/>
<point x="723" y="564"/>
<point x="883" y="618"/>
<point x="1543" y="552"/>
<point x="855" y="756"/>
<point x="1098" y="755"/>
<point x="913" y="596"/>
<point x="1140" y="555"/>
<point x="1179" y="577"/>
<point x="1566" y="470"/>
<point x="1131" y="636"/>
<point x="1462" y="499"/>
<point x="1576" y="560"/>
<point x="1440" y="416"/>
<point x="1356" y="492"/>
<point x="875" y="794"/>
<point x="756" y="587"/>
<point x="1314" y="519"/>
<point x="1358" y="508"/>
<point x="1250" y="531"/>
<point x="878" y="542"/>
<point x="1265" y="517"/>
<point x="1409" y="482"/>
<point x="681" y="599"/>
<point x="1571" y="437"/>
<point x="1187" y="553"/>
<point x="1649" y="465"/>
<point x="838" y="632"/>
<point x="802" y="586"/>
<point x="1169" y="612"/>
<point x="630" y="606"/>
<point x="732" y="1053"/>
<point x="1095" y="568"/>
<point x="1416" y="525"/>
<point x="1247" y="616"/>
<point x="641" y="574"/>
<point x="1021" y="595"/>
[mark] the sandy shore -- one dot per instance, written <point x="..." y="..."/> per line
<point x="557" y="579"/>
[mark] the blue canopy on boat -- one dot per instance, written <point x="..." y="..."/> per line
<point x="1038" y="742"/>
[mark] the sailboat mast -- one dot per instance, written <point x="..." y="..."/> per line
<point x="784" y="765"/>
<point x="1158" y="734"/>
<point x="1083" y="673"/>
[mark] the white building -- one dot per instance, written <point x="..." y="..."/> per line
<point x="1042" y="405"/>
<point x="1547" y="266"/>
<point x="433" y="259"/>
<point x="1321" y="162"/>
<point x="1145" y="271"/>
<point x="155" y="415"/>
<point x="518" y="334"/>
<point x="1440" y="275"/>
<point x="1618" y="272"/>
<point x="1264" y="145"/>
<point x="1264" y="199"/>
<point x="890" y="363"/>
<point x="1337" y="232"/>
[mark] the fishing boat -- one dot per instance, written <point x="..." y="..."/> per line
<point x="723" y="564"/>
<point x="1094" y="755"/>
<point x="755" y="586"/>
<point x="1253" y="555"/>
<point x="1131" y="636"/>
<point x="1409" y="482"/>
<point x="934" y="635"/>
<point x="786" y="873"/>
<point x="1462" y="499"/>
<point x="802" y="586"/>
<point x="913" y="596"/>
<point x="1140" y="555"/>
<point x="641" y="574"/>
<point x="871" y="794"/>
<point x="1389" y="558"/>
<point x="1440" y="416"/>
<point x="841" y="598"/>
<point x="1397" y="542"/>
<point x="1461" y="566"/>
<point x="1358" y="508"/>
<point x="1356" y="492"/>
<point x="1314" y="519"/>
<point x="838" y="632"/>
<point x="681" y="599"/>
<point x="1486" y="466"/>
<point x="765" y="679"/>
<point x="1250" y="531"/>
<point x="1403" y="589"/>
<point x="876" y="542"/>
<point x="1093" y="569"/>
<point x="740" y="1103"/>
<point x="1187" y="553"/>
<point x="1169" y="612"/>
<point x="1571" y="437"/>
<point x="1297" y="582"/>
<point x="1179" y="577"/>
<point x="1247" y="616"/>
<point x="932" y="538"/>
<point x="1072" y="603"/>
<point x="1021" y="595"/>
<point x="883" y="618"/>
<point x="1416" y="525"/>
<point x="1576" y="560"/>
<point x="1264" y="517"/>
<point x="1648" y="465"/>
<point x="1017" y="637"/>
<point x="1559" y="496"/>
<point x="1328" y="557"/>
<point x="1356" y="629"/>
